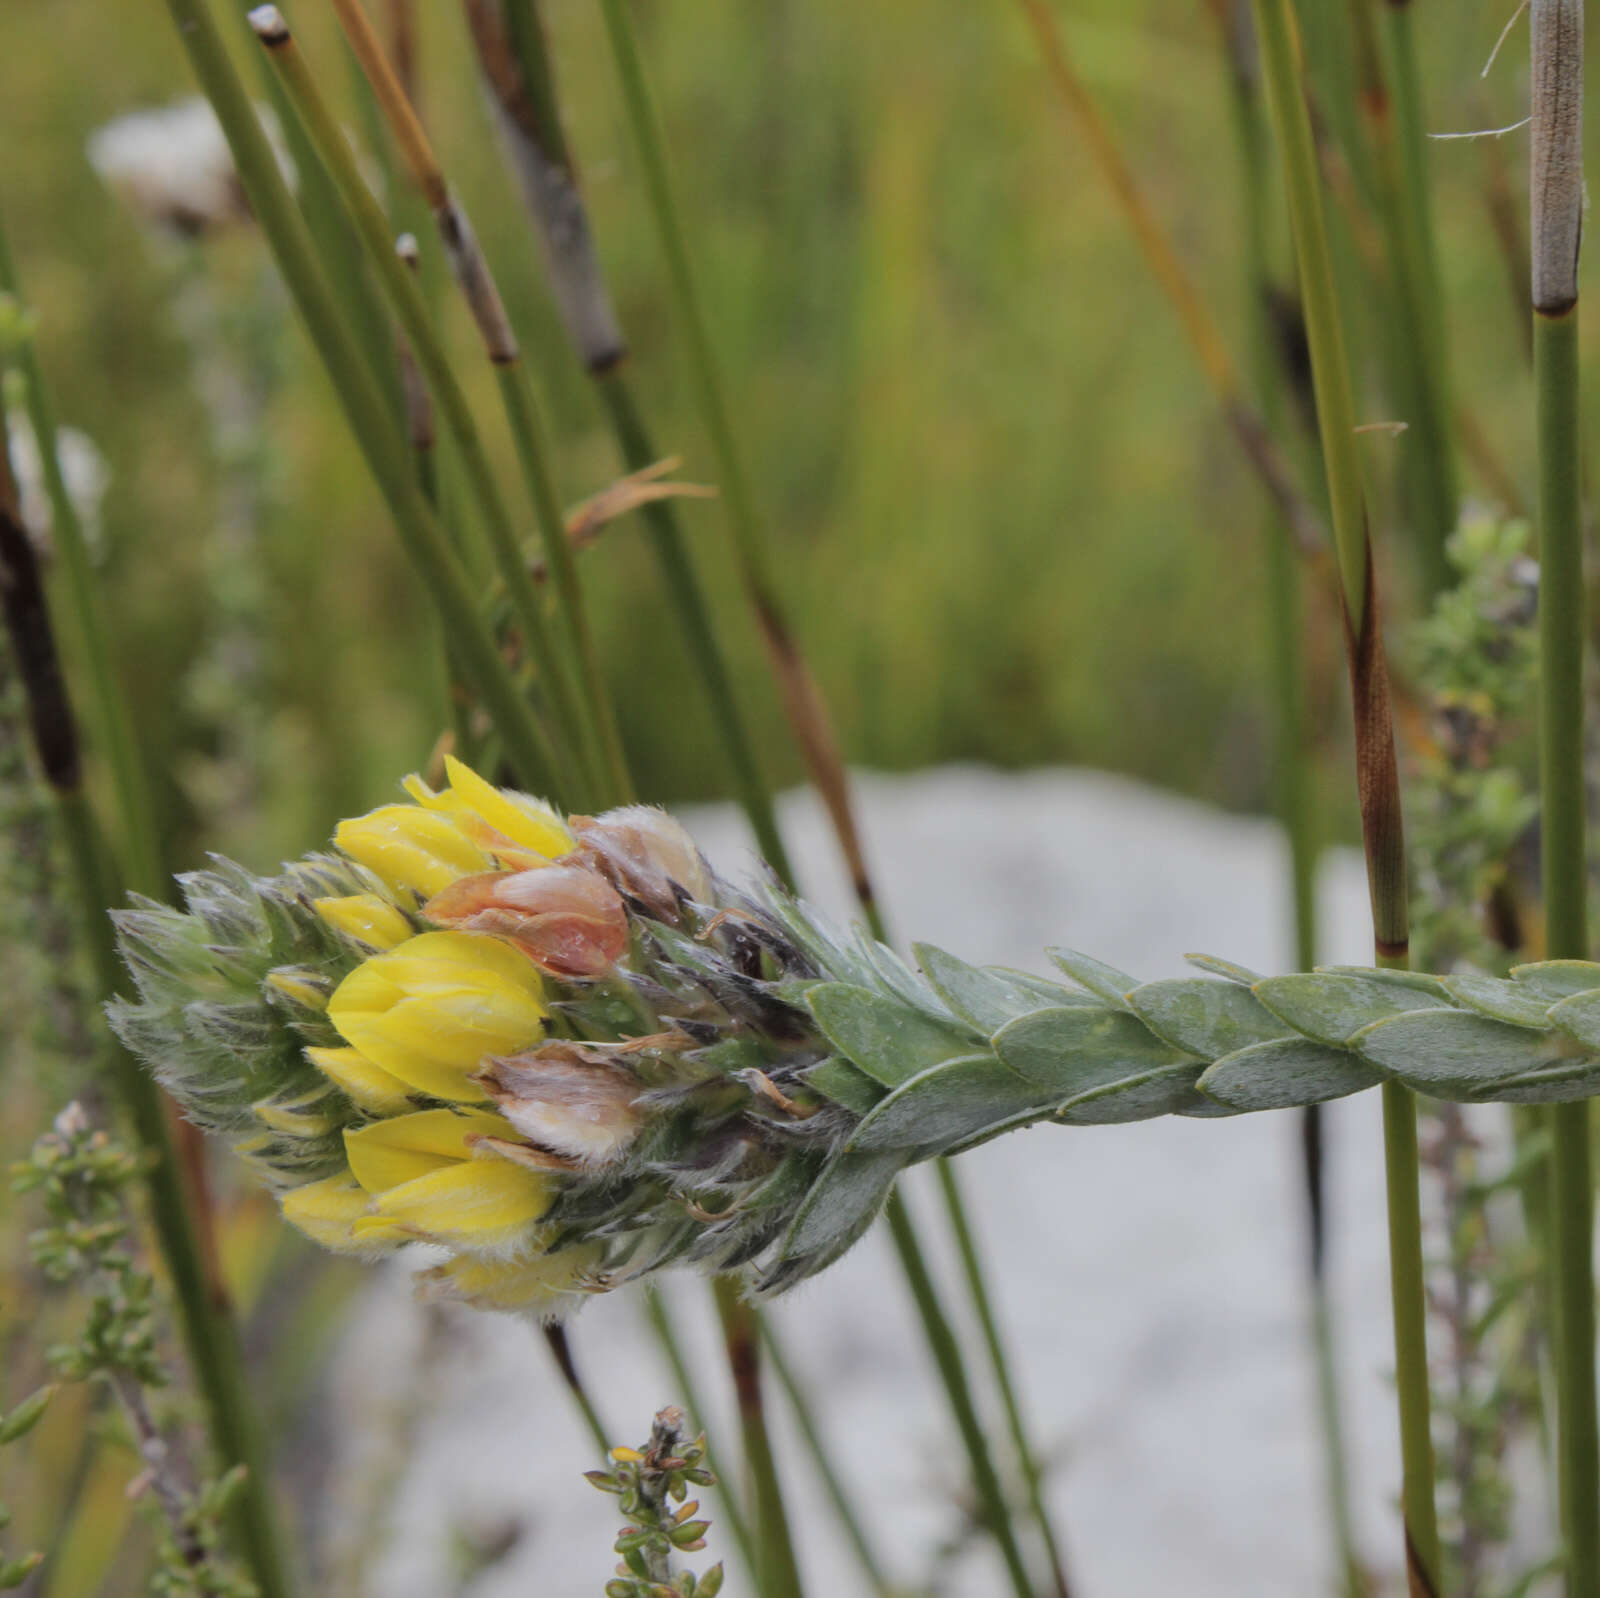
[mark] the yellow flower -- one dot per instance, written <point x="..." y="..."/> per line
<point x="534" y="1286"/>
<point x="327" y="1211"/>
<point x="366" y="918"/>
<point x="366" y="1085"/>
<point x="517" y="828"/>
<point x="432" y="1009"/>
<point x="425" y="1174"/>
<point x="407" y="847"/>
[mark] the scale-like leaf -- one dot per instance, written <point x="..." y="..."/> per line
<point x="1071" y="1051"/>
<point x="1331" y="1007"/>
<point x="1387" y="976"/>
<point x="1557" y="979"/>
<point x="984" y="999"/>
<point x="1139" y="1098"/>
<point x="1454" y="1051"/>
<point x="948" y="1104"/>
<point x="888" y="1040"/>
<point x="1511" y="1002"/>
<point x="1104" y="981"/>
<point x="1558" y="1084"/>
<point x="1289" y="1071"/>
<point x="844" y="1084"/>
<point x="1229" y="970"/>
<point x="843" y="1201"/>
<point x="1578" y="1017"/>
<point x="1205" y="1017"/>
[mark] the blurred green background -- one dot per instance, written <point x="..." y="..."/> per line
<point x="1012" y="522"/>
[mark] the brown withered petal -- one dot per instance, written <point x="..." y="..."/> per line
<point x="567" y="1098"/>
<point x="647" y="854"/>
<point x="569" y="921"/>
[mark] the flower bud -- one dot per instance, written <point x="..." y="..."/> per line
<point x="647" y="854"/>
<point x="425" y="1174"/>
<point x="569" y="1098"/>
<point x="365" y="918"/>
<point x="432" y="1009"/>
<point x="366" y="1085"/>
<point x="327" y="1211"/>
<point x="569" y="921"/>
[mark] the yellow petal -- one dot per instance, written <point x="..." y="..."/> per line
<point x="534" y="827"/>
<point x="410" y="848"/>
<point x="312" y="1114"/>
<point x="478" y="1202"/>
<point x="366" y="918"/>
<point x="532" y="1285"/>
<point x="306" y="988"/>
<point x="388" y="1153"/>
<point x="362" y="1082"/>
<point x="327" y="1211"/>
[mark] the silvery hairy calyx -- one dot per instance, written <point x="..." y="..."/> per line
<point x="567" y="1053"/>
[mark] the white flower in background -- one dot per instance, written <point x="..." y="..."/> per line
<point x="82" y="466"/>
<point x="172" y="165"/>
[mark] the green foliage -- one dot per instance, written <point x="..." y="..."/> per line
<point x="648" y="1482"/>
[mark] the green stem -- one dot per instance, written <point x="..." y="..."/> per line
<point x="946" y="1352"/>
<point x="371" y="417"/>
<point x="694" y="613"/>
<point x="978" y="1289"/>
<point x="1399" y="136"/>
<point x="113" y="718"/>
<point x="655" y="1306"/>
<point x="844" y="1504"/>
<point x="1377" y="775"/>
<point x="779" y="1572"/>
<point x="560" y="1346"/>
<point x="1561" y="641"/>
<point x="327" y="144"/>
<point x="534" y="456"/>
<point x="1291" y="760"/>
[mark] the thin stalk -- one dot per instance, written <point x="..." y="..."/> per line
<point x="328" y="143"/>
<point x="807" y="711"/>
<point x="655" y="1307"/>
<point x="978" y="1289"/>
<point x="694" y="614"/>
<point x="211" y="1335"/>
<point x="1377" y="775"/>
<point x="942" y="1344"/>
<point x="560" y="1346"/>
<point x="839" y="1495"/>
<point x="1556" y="190"/>
<point x="1391" y="98"/>
<point x="1200" y="328"/>
<point x="1291" y="753"/>
<point x="779" y="1572"/>
<point x="528" y="747"/>
<point x="595" y="732"/>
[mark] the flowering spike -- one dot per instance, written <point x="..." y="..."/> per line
<point x="597" y="1059"/>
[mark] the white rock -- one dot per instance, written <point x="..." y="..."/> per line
<point x="1151" y="1276"/>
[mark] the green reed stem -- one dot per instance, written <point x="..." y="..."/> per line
<point x="978" y="1289"/>
<point x="803" y="703"/>
<point x="138" y="835"/>
<point x="528" y="746"/>
<point x="839" y="1495"/>
<point x="328" y="144"/>
<point x="1291" y="753"/>
<point x="1399" y="138"/>
<point x="946" y="1352"/>
<point x="779" y="1571"/>
<point x="666" y="1333"/>
<point x="694" y="613"/>
<point x="559" y="1343"/>
<point x="210" y="1333"/>
<point x="1377" y="775"/>
<point x="1556" y="193"/>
